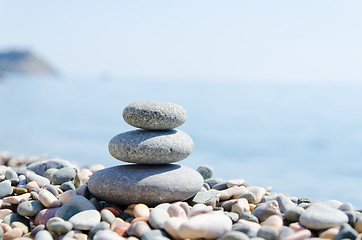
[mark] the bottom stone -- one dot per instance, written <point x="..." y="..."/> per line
<point x="148" y="184"/>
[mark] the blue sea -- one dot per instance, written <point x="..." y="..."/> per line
<point x="304" y="139"/>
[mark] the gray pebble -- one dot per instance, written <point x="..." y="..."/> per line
<point x="85" y="220"/>
<point x="249" y="196"/>
<point x="285" y="232"/>
<point x="333" y="203"/>
<point x="268" y="233"/>
<point x="154" y="115"/>
<point x="10" y="174"/>
<point x="49" y="173"/>
<point x="233" y="216"/>
<point x="52" y="189"/>
<point x="155" y="235"/>
<point x="67" y="186"/>
<point x="5" y="189"/>
<point x="346" y="232"/>
<point x="228" y="204"/>
<point x="60" y="227"/>
<point x="213" y="181"/>
<point x="220" y="186"/>
<point x="107" y="216"/>
<point x="264" y="210"/>
<point x="137" y="229"/>
<point x="251" y="232"/>
<point x="2" y="172"/>
<point x="284" y="203"/>
<point x="157" y="218"/>
<point x="346" y="207"/>
<point x="32" y="176"/>
<point x="66" y="212"/>
<point x="151" y="147"/>
<point x="63" y="175"/>
<point x="30" y="208"/>
<point x="43" y="235"/>
<point x="203" y="197"/>
<point x="81" y="203"/>
<point x="107" y="235"/>
<point x="293" y="214"/>
<point x="234" y="235"/>
<point x="37" y="229"/>
<point x="99" y="227"/>
<point x="320" y="216"/>
<point x="352" y="217"/>
<point x="40" y="167"/>
<point x="150" y="184"/>
<point x="206" y="171"/>
<point x="249" y="217"/>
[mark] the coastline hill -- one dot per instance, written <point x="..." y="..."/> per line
<point x="23" y="62"/>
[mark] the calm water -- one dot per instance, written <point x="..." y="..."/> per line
<point x="302" y="139"/>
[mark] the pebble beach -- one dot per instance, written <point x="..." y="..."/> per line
<point x="153" y="197"/>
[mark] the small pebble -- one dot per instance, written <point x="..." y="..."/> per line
<point x="48" y="199"/>
<point x="158" y="217"/>
<point x="234" y="182"/>
<point x="63" y="175"/>
<point x="30" y="208"/>
<point x="268" y="233"/>
<point x="141" y="210"/>
<point x="81" y="203"/>
<point x="5" y="189"/>
<point x="43" y="235"/>
<point x="100" y="226"/>
<point x="138" y="229"/>
<point x="85" y="220"/>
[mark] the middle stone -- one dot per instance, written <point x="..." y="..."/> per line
<point x="151" y="147"/>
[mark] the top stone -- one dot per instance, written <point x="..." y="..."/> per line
<point x="153" y="115"/>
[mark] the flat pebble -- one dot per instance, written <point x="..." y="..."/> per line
<point x="205" y="226"/>
<point x="42" y="166"/>
<point x="30" y="208"/>
<point x="32" y="176"/>
<point x="249" y="217"/>
<point x="16" y="199"/>
<point x="10" y="174"/>
<point x="234" y="182"/>
<point x="48" y="199"/>
<point x="203" y="197"/>
<point x="150" y="184"/>
<point x="151" y="147"/>
<point x="320" y="216"/>
<point x="66" y="212"/>
<point x="60" y="227"/>
<point x="65" y="197"/>
<point x="158" y="217"/>
<point x="67" y="186"/>
<point x="85" y="220"/>
<point x="63" y="175"/>
<point x="154" y="115"/>
<point x="81" y="203"/>
<point x="284" y="203"/>
<point x="5" y="189"/>
<point x="52" y="189"/>
<point x="346" y="207"/>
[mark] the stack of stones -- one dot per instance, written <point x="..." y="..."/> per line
<point x="152" y="179"/>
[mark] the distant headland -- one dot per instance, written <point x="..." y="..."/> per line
<point x="23" y="63"/>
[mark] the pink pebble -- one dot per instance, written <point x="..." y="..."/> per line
<point x="176" y="211"/>
<point x="44" y="215"/>
<point x="300" y="235"/>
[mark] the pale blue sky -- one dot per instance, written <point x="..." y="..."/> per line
<point x="271" y="40"/>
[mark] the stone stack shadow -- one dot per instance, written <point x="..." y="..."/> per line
<point x="151" y="178"/>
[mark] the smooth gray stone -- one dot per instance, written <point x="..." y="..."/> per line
<point x="264" y="210"/>
<point x="154" y="115"/>
<point x="157" y="218"/>
<point x="1" y="232"/>
<point x="249" y="196"/>
<point x="11" y="174"/>
<point x="5" y="189"/>
<point x="63" y="175"/>
<point x="85" y="220"/>
<point x="346" y="232"/>
<point x="285" y="232"/>
<point x="284" y="203"/>
<point x="32" y="176"/>
<point x="228" y="204"/>
<point x="37" y="229"/>
<point x="233" y="216"/>
<point x="15" y="217"/>
<point x="268" y="233"/>
<point x="107" y="235"/>
<point x="138" y="229"/>
<point x="29" y="208"/>
<point x="82" y="203"/>
<point x="352" y="217"/>
<point x="333" y="203"/>
<point x="43" y="235"/>
<point x="320" y="216"/>
<point x="206" y="171"/>
<point x="203" y="197"/>
<point x="155" y="235"/>
<point x="67" y="186"/>
<point x="346" y="207"/>
<point x="99" y="227"/>
<point x="220" y="186"/>
<point x="2" y="172"/>
<point x="213" y="181"/>
<point x="42" y="166"/>
<point x="251" y="232"/>
<point x="66" y="212"/>
<point x="249" y="217"/>
<point x="151" y="147"/>
<point x="293" y="214"/>
<point x="234" y="235"/>
<point x="60" y="227"/>
<point x="52" y="189"/>
<point x="107" y="216"/>
<point x="148" y="184"/>
<point x="49" y="173"/>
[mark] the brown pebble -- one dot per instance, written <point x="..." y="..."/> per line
<point x="115" y="210"/>
<point x="20" y="190"/>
